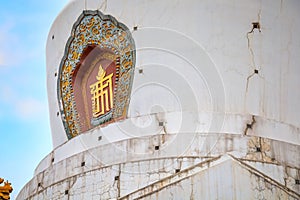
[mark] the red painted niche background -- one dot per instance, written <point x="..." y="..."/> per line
<point x="85" y="75"/>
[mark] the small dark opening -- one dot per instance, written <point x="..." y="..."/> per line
<point x="297" y="182"/>
<point x="39" y="184"/>
<point x="258" y="149"/>
<point x="66" y="192"/>
<point x="140" y="71"/>
<point x="249" y="126"/>
<point x="273" y="159"/>
<point x="256" y="25"/>
<point x="52" y="37"/>
<point x="99" y="138"/>
<point x="52" y="160"/>
<point x="83" y="164"/>
<point x="156" y="147"/>
<point x="135" y="28"/>
<point x="256" y="71"/>
<point x="160" y="123"/>
<point x="177" y="170"/>
<point x="55" y="74"/>
<point x="57" y="113"/>
<point x="116" y="178"/>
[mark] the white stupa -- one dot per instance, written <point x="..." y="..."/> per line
<point x="172" y="100"/>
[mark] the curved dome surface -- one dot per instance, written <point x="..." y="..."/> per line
<point x="207" y="67"/>
<point x="208" y="93"/>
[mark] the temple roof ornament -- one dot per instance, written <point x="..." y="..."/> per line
<point x="5" y="190"/>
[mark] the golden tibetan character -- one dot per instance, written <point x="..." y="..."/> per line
<point x="102" y="93"/>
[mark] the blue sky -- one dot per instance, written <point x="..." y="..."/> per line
<point x="25" y="135"/>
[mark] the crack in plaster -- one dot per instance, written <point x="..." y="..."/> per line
<point x="259" y="149"/>
<point x="169" y="180"/>
<point x="250" y="126"/>
<point x="118" y="182"/>
<point x="266" y="178"/>
<point x="72" y="182"/>
<point x="103" y="6"/>
<point x="255" y="25"/>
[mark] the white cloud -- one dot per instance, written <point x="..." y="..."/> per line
<point x="7" y="94"/>
<point x="28" y="109"/>
<point x="14" y="48"/>
<point x="8" y="45"/>
<point x="1" y="58"/>
<point x="23" y="108"/>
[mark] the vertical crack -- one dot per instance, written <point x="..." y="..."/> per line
<point x="248" y="78"/>
<point x="161" y="123"/>
<point x="103" y="6"/>
<point x="119" y="181"/>
<point x="250" y="126"/>
<point x="73" y="180"/>
<point x="260" y="149"/>
<point x="250" y="34"/>
<point x="255" y="25"/>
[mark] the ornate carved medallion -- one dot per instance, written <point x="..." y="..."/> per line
<point x="96" y="73"/>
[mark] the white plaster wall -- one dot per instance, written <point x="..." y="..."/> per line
<point x="139" y="165"/>
<point x="198" y="60"/>
<point x="199" y="57"/>
<point x="217" y="183"/>
<point x="205" y="171"/>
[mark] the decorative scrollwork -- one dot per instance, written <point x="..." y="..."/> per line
<point x="94" y="28"/>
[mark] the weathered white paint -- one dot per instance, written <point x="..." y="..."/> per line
<point x="198" y="60"/>
<point x="205" y="50"/>
<point x="138" y="165"/>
